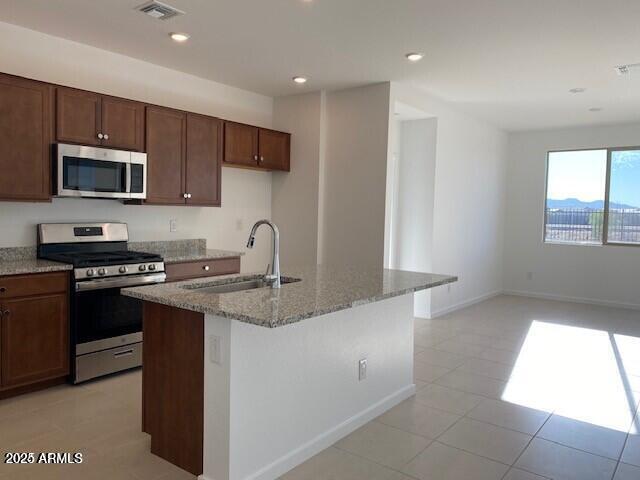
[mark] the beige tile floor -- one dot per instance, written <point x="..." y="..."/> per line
<point x="509" y="389"/>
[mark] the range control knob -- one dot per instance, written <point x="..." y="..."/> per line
<point x="102" y="271"/>
<point x="152" y="266"/>
<point x="142" y="268"/>
<point x="123" y="269"/>
<point x="90" y="272"/>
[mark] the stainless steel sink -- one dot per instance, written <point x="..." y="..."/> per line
<point x="240" y="286"/>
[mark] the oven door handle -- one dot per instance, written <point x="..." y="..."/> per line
<point x="102" y="283"/>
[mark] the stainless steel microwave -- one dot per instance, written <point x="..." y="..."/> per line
<point x="83" y="171"/>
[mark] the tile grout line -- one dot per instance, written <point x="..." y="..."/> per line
<point x="535" y="435"/>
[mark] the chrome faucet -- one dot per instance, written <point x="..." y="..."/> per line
<point x="272" y="277"/>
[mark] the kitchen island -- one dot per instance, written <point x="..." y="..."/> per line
<point x="249" y="384"/>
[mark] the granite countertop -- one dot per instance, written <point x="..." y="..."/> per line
<point x="31" y="265"/>
<point x="176" y="251"/>
<point x="321" y="290"/>
<point x="193" y="256"/>
<point x="22" y="260"/>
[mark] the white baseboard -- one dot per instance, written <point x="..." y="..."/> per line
<point x="465" y="303"/>
<point x="328" y="438"/>
<point x="567" y="298"/>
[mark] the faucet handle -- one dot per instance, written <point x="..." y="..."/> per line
<point x="266" y="272"/>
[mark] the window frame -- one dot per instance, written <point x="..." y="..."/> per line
<point x="607" y="185"/>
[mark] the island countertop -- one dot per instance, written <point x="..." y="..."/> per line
<point x="321" y="290"/>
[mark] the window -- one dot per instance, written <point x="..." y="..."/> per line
<point x="593" y="197"/>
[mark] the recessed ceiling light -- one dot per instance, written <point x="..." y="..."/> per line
<point x="595" y="109"/>
<point x="179" y="37"/>
<point x="414" y="56"/>
<point x="577" y="90"/>
<point x="300" y="80"/>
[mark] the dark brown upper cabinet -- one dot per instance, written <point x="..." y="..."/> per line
<point x="274" y="148"/>
<point x="257" y="148"/>
<point x="240" y="144"/>
<point x="26" y="110"/>
<point x="89" y="118"/>
<point x="166" y="150"/>
<point x="122" y="124"/>
<point x="184" y="152"/>
<point x="204" y="160"/>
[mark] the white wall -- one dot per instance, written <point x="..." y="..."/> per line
<point x="412" y="201"/>
<point x="281" y="395"/>
<point x="352" y="192"/>
<point x="294" y="200"/>
<point x="469" y="200"/>
<point x="605" y="274"/>
<point x="246" y="195"/>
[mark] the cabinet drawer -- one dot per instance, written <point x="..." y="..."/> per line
<point x="202" y="268"/>
<point x="33" y="284"/>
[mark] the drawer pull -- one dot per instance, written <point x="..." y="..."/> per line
<point x="123" y="353"/>
<point x="6" y="313"/>
<point x="3" y="289"/>
<point x="206" y="268"/>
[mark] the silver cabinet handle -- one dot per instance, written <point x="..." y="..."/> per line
<point x="3" y="289"/>
<point x="185" y="195"/>
<point x="188" y="195"/>
<point x="206" y="268"/>
<point x="106" y="137"/>
<point x="100" y="136"/>
<point x="261" y="158"/>
<point x="6" y="313"/>
<point x="255" y="157"/>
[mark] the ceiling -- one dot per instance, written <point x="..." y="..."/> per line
<point x="510" y="62"/>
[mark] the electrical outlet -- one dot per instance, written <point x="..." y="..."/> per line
<point x="239" y="225"/>
<point x="529" y="275"/>
<point x="449" y="288"/>
<point x="173" y="225"/>
<point x="215" y="349"/>
<point x="362" y="369"/>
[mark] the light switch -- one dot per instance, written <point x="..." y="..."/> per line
<point x="362" y="369"/>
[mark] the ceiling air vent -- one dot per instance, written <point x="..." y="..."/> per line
<point x="628" y="69"/>
<point x="159" y="10"/>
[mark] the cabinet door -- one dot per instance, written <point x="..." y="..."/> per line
<point x="78" y="118"/>
<point x="35" y="339"/>
<point x="122" y="124"/>
<point x="274" y="150"/>
<point x="25" y="139"/>
<point x="240" y="144"/>
<point x="166" y="136"/>
<point x="204" y="155"/>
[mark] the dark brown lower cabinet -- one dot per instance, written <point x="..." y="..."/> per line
<point x="202" y="268"/>
<point x="34" y="332"/>
<point x="173" y="384"/>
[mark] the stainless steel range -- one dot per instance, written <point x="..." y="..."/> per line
<point x="106" y="327"/>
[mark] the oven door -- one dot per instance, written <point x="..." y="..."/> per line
<point x="104" y="319"/>
<point x="95" y="172"/>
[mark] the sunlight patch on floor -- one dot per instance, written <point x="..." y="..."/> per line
<point x="579" y="373"/>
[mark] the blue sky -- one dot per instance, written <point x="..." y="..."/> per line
<point x="625" y="177"/>
<point x="582" y="175"/>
